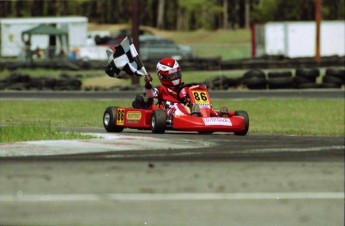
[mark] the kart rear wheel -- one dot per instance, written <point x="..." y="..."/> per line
<point x="158" y="121"/>
<point x="109" y="119"/>
<point x="245" y="116"/>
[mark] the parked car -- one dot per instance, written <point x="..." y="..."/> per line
<point x="112" y="39"/>
<point x="155" y="47"/>
<point x="152" y="47"/>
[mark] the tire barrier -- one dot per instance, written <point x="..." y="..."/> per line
<point x="17" y="81"/>
<point x="333" y="78"/>
<point x="254" y="79"/>
<point x="280" y="80"/>
<point x="305" y="78"/>
<point x="222" y="83"/>
<point x="199" y="63"/>
<point x="53" y="64"/>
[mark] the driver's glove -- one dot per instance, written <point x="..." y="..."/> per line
<point x="185" y="100"/>
<point x="148" y="79"/>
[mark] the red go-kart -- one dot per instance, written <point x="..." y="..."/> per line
<point x="145" y="115"/>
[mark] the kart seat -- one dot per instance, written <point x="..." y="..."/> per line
<point x="142" y="101"/>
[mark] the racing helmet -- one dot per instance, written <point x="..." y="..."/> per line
<point x="169" y="73"/>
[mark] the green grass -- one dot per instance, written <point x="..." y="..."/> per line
<point x="30" y="132"/>
<point x="317" y="117"/>
<point x="225" y="51"/>
<point x="293" y="116"/>
<point x="219" y="36"/>
<point x="227" y="44"/>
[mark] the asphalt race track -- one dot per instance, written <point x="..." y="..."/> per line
<point x="137" y="178"/>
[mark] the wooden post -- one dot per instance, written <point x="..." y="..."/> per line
<point x="247" y="14"/>
<point x="253" y="40"/>
<point x="318" y="5"/>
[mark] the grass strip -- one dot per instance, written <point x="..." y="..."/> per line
<point x="33" y="132"/>
<point x="317" y="117"/>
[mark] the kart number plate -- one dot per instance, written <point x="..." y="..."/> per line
<point x="120" y="116"/>
<point x="200" y="97"/>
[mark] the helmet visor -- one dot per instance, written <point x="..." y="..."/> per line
<point x="171" y="76"/>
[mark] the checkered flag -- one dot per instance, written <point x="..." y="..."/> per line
<point x="124" y="58"/>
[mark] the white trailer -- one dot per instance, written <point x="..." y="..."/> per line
<point x="11" y="32"/>
<point x="298" y="39"/>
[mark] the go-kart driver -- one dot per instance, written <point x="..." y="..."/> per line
<point x="169" y="74"/>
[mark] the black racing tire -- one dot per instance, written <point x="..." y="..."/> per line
<point x="307" y="85"/>
<point x="280" y="83"/>
<point x="254" y="79"/>
<point x="233" y="82"/>
<point x="49" y="83"/>
<point x="254" y="73"/>
<point x="217" y="82"/>
<point x="279" y="74"/>
<point x="2" y="85"/>
<point x="332" y="79"/>
<point x="338" y="73"/>
<point x="223" y="83"/>
<point x="17" y="86"/>
<point x="303" y="79"/>
<point x="329" y="85"/>
<point x="308" y="72"/>
<point x="255" y="82"/>
<point x="208" y="83"/>
<point x="244" y="115"/>
<point x="158" y="121"/>
<point x="109" y="119"/>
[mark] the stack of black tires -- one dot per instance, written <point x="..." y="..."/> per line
<point x="18" y="81"/>
<point x="305" y="78"/>
<point x="222" y="83"/>
<point x="333" y="78"/>
<point x="254" y="79"/>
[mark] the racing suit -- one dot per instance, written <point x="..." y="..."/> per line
<point x="167" y="98"/>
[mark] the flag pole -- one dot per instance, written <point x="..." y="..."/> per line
<point x="135" y="34"/>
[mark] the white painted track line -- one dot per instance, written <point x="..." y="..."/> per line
<point x="169" y="197"/>
<point x="105" y="143"/>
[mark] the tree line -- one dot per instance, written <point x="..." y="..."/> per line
<point x="178" y="14"/>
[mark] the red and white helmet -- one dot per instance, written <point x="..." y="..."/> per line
<point x="169" y="73"/>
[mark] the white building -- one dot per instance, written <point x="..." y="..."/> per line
<point x="11" y="32"/>
<point x="298" y="39"/>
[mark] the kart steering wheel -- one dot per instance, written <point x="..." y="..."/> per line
<point x="184" y="86"/>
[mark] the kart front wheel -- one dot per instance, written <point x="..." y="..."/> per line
<point x="245" y="116"/>
<point x="109" y="119"/>
<point x="158" y="121"/>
